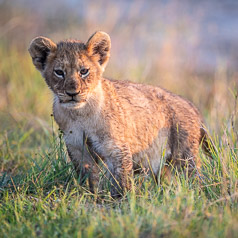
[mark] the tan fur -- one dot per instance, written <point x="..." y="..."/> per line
<point x="126" y="125"/>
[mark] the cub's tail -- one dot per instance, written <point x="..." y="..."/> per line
<point x="208" y="145"/>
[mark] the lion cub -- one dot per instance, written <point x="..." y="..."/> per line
<point x="126" y="125"/>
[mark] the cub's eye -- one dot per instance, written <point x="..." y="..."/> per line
<point x="59" y="73"/>
<point x="84" y="72"/>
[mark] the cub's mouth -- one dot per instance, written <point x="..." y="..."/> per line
<point x="73" y="103"/>
<point x="71" y="100"/>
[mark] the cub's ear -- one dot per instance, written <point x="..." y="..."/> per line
<point x="39" y="49"/>
<point x="98" y="46"/>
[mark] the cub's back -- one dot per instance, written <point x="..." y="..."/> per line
<point x="149" y="110"/>
<point x="144" y="99"/>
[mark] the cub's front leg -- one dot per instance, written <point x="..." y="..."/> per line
<point x="120" y="167"/>
<point x="85" y="166"/>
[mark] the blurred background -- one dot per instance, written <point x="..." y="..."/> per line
<point x="189" y="47"/>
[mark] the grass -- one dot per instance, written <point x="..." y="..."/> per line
<point x="41" y="197"/>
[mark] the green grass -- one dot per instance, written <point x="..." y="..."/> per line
<point x="41" y="197"/>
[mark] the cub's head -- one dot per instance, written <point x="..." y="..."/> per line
<point x="71" y="68"/>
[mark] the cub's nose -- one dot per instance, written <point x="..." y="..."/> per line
<point x="72" y="94"/>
